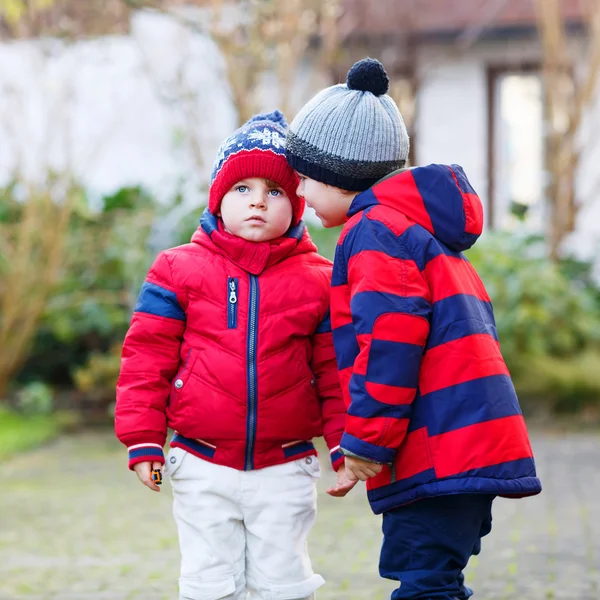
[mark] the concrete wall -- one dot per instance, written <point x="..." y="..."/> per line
<point x="116" y="111"/>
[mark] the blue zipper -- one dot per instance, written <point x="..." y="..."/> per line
<point x="251" y="370"/>
<point x="232" y="298"/>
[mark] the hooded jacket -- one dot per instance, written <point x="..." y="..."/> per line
<point x="427" y="390"/>
<point x="230" y="346"/>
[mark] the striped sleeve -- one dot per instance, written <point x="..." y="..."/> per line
<point x="390" y="310"/>
<point x="324" y="367"/>
<point x="150" y="359"/>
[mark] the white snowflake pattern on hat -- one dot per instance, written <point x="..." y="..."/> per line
<point x="261" y="132"/>
<point x="227" y="144"/>
<point x="267" y="137"/>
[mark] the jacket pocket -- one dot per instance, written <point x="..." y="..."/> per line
<point x="179" y="382"/>
<point x="232" y="302"/>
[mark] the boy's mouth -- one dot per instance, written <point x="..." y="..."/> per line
<point x="256" y="218"/>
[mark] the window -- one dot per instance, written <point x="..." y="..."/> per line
<point x="516" y="150"/>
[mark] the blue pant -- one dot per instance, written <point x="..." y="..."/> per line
<point x="427" y="544"/>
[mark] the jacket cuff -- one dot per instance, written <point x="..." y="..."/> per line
<point x="337" y="458"/>
<point x="145" y="453"/>
<point x="352" y="446"/>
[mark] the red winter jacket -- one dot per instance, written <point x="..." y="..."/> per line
<point x="230" y="345"/>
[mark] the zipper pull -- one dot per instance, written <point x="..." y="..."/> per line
<point x="232" y="292"/>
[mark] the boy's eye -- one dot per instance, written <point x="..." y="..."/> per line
<point x="275" y="192"/>
<point x="242" y="189"/>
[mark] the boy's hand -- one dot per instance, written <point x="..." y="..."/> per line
<point x="361" y="469"/>
<point x="343" y="485"/>
<point x="143" y="471"/>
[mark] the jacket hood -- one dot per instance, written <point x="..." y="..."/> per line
<point x="437" y="197"/>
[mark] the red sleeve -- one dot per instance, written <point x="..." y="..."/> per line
<point x="150" y="359"/>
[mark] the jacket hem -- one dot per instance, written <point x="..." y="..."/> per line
<point x="221" y="452"/>
<point x="516" y="488"/>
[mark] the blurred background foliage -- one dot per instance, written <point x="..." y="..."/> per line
<point x="548" y="321"/>
<point x="547" y="313"/>
<point x="106" y="253"/>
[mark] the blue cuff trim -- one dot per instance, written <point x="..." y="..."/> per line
<point x="148" y="451"/>
<point x="365" y="450"/>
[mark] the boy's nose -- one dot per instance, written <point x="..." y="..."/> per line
<point x="300" y="189"/>
<point x="259" y="200"/>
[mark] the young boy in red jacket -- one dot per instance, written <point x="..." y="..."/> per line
<point x="434" y="424"/>
<point x="230" y="346"/>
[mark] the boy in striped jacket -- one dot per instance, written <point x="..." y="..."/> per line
<point x="434" y="425"/>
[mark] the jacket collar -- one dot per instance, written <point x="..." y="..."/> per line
<point x="253" y="257"/>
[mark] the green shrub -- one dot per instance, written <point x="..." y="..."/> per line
<point x="548" y="320"/>
<point x="539" y="310"/>
<point x="564" y="385"/>
<point x="96" y="379"/>
<point x="108" y="256"/>
<point x="35" y="398"/>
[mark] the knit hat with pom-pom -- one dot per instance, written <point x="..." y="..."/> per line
<point x="350" y="135"/>
<point x="256" y="149"/>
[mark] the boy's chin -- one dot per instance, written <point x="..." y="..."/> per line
<point x="257" y="239"/>
<point x="328" y="224"/>
<point x="257" y="236"/>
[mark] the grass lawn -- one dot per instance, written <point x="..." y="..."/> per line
<point x="21" y="432"/>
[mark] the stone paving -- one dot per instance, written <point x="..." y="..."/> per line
<point x="76" y="525"/>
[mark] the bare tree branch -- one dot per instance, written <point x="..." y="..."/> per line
<point x="569" y="92"/>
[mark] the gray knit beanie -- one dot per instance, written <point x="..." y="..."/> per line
<point x="350" y="135"/>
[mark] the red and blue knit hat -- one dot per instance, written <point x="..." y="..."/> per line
<point x="256" y="149"/>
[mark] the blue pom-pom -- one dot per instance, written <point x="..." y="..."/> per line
<point x="275" y="117"/>
<point x="368" y="75"/>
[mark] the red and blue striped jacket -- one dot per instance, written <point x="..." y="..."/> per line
<point x="230" y="346"/>
<point x="427" y="390"/>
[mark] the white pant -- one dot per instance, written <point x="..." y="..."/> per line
<point x="243" y="534"/>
